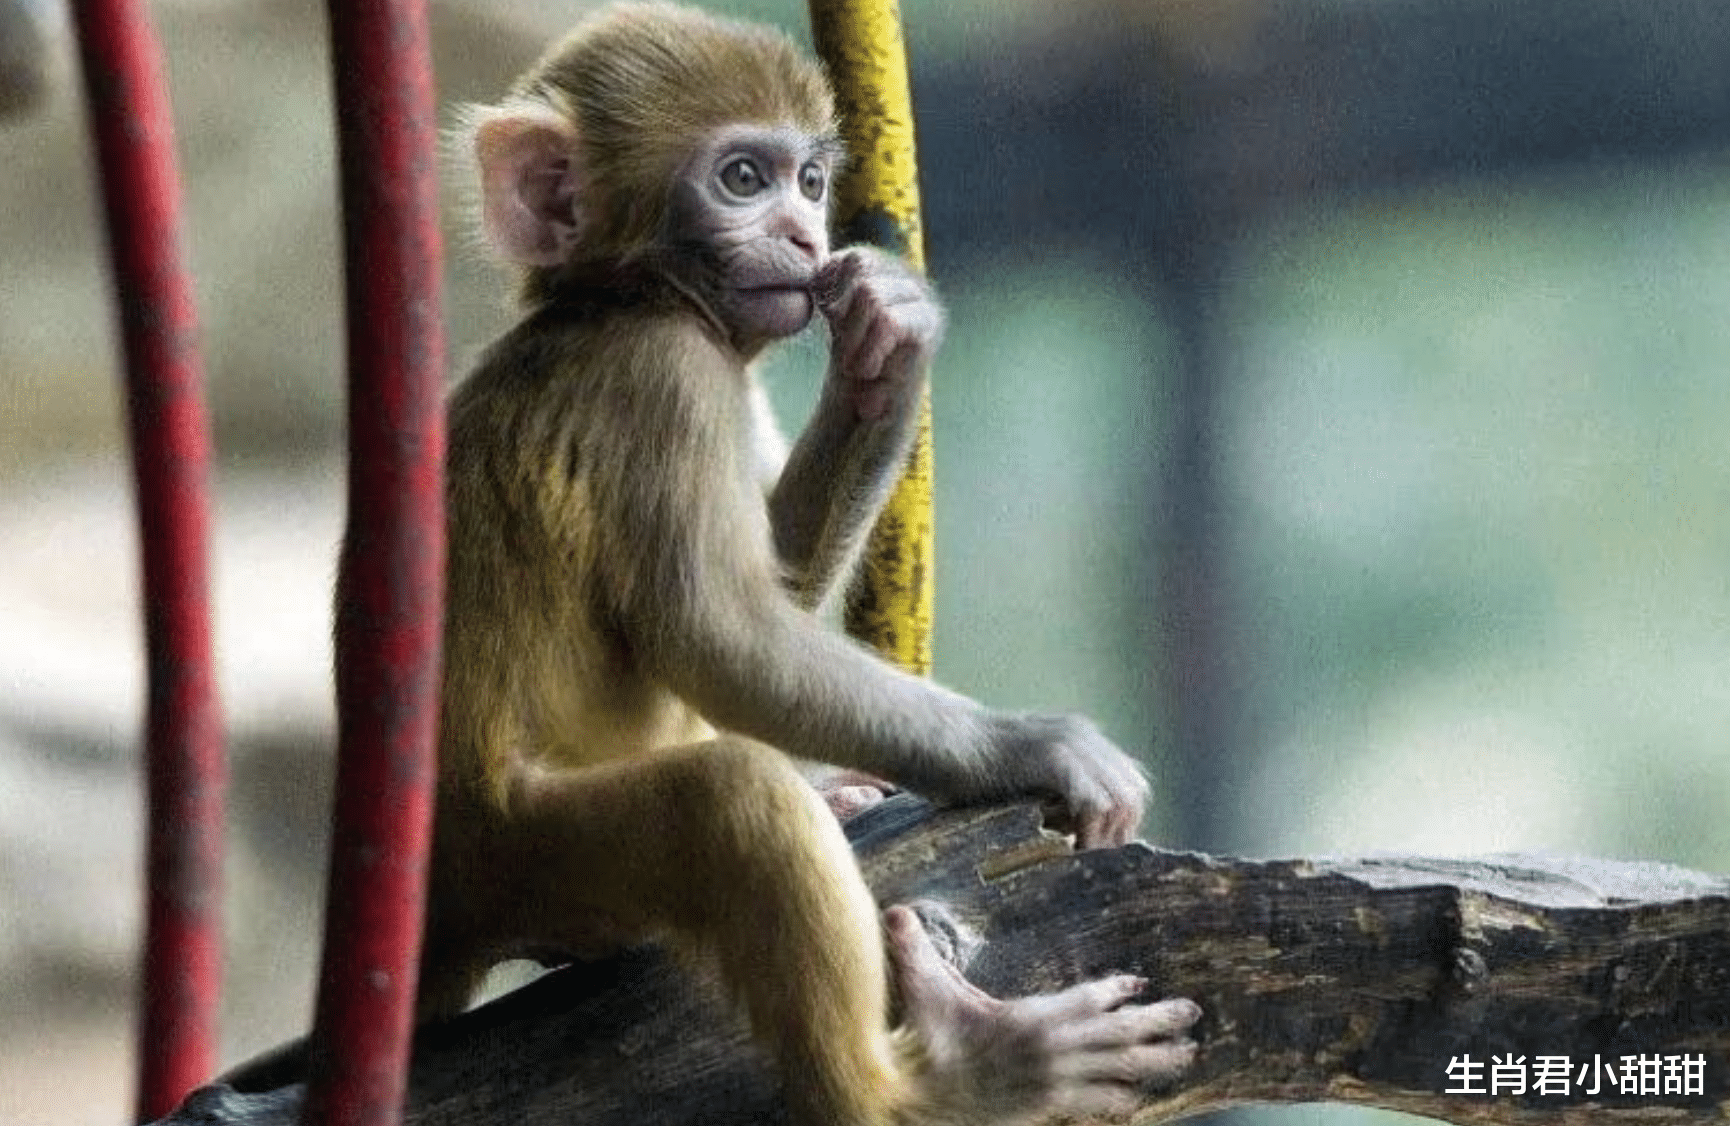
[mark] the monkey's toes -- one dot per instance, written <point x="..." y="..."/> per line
<point x="850" y="801"/>
<point x="933" y="990"/>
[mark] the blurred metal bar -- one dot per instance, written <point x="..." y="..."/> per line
<point x="1325" y="97"/>
<point x="391" y="579"/>
<point x="1192" y="604"/>
<point x="877" y="202"/>
<point x="131" y="124"/>
<point x="1119" y="140"/>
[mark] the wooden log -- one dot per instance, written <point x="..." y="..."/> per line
<point x="1355" y="981"/>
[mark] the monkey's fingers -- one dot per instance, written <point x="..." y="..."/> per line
<point x="1102" y="789"/>
<point x="1101" y="1056"/>
<point x="1095" y="830"/>
<point x="1105" y="815"/>
<point x="1122" y="821"/>
<point x="834" y="280"/>
<point x="1093" y="817"/>
<point x="1078" y="1004"/>
<point x="877" y="312"/>
<point x="1158" y="1063"/>
<point x="1132" y="1024"/>
<point x="858" y="314"/>
<point x="847" y="325"/>
<point x="1097" y="1083"/>
<point x="933" y="992"/>
<point x="850" y="801"/>
<point x="1099" y="1062"/>
<point x="879" y="397"/>
<point x="881" y="336"/>
<point x="903" y="323"/>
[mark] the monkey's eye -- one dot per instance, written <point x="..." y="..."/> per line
<point x="742" y="177"/>
<point x="812" y="181"/>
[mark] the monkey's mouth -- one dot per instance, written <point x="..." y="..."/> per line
<point x="776" y="310"/>
<point x="778" y="288"/>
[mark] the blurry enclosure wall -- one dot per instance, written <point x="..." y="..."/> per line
<point x="1374" y="351"/>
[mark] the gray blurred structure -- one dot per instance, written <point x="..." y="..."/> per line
<point x="1128" y="139"/>
<point x="23" y="58"/>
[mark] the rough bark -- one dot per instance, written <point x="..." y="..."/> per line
<point x="1324" y="980"/>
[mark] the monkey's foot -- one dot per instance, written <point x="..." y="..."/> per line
<point x="1082" y="1052"/>
<point x="849" y="793"/>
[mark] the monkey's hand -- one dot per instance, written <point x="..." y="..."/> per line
<point x="1103" y="790"/>
<point x="885" y="324"/>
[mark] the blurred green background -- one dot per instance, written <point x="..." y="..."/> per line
<point x="1475" y="477"/>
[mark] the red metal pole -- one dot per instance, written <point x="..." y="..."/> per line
<point x="391" y="580"/>
<point x="186" y="775"/>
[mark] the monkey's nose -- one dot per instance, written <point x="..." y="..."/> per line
<point x="806" y="243"/>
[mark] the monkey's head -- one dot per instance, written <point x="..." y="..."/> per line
<point x="660" y="137"/>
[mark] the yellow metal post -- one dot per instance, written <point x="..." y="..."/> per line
<point x="877" y="202"/>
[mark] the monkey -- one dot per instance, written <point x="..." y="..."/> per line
<point x="635" y="650"/>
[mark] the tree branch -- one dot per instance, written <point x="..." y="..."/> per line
<point x="1323" y="980"/>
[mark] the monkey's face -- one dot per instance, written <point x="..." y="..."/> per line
<point x="752" y="203"/>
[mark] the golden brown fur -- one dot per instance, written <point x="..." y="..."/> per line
<point x="630" y="653"/>
<point x="641" y="82"/>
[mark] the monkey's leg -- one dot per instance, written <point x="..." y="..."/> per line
<point x="726" y="849"/>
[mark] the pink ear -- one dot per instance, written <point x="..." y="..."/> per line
<point x="529" y="176"/>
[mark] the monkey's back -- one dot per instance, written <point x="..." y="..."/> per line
<point x="544" y="488"/>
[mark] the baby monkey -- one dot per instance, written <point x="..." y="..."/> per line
<point x="633" y="651"/>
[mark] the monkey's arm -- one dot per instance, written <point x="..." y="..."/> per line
<point x="698" y="599"/>
<point x="752" y="662"/>
<point x="835" y="482"/>
<point x="885" y="324"/>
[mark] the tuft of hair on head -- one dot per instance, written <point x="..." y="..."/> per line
<point x="638" y="85"/>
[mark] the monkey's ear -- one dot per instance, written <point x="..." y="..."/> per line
<point x="528" y="159"/>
